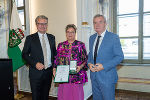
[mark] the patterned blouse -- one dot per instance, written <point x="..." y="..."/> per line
<point x="73" y="51"/>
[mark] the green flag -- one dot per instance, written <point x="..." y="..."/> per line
<point x="16" y="38"/>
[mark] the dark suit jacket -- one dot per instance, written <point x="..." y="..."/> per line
<point x="32" y="53"/>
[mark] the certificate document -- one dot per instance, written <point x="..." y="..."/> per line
<point x="62" y="73"/>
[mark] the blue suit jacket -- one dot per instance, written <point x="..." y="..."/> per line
<point x="109" y="55"/>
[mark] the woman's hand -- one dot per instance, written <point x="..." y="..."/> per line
<point x="78" y="68"/>
<point x="54" y="72"/>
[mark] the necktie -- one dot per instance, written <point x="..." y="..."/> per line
<point x="44" y="52"/>
<point x="96" y="47"/>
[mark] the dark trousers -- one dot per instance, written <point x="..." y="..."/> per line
<point x="40" y="86"/>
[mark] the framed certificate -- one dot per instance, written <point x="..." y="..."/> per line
<point x="73" y="65"/>
<point x="62" y="74"/>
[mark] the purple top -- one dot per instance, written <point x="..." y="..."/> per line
<point x="73" y="51"/>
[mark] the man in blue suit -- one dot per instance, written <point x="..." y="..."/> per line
<point x="105" y="53"/>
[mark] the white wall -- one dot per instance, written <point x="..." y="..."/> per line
<point x="59" y="12"/>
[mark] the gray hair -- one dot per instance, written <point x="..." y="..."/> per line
<point x="40" y="17"/>
<point x="98" y="15"/>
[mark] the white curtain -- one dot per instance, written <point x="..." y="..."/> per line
<point x="4" y="27"/>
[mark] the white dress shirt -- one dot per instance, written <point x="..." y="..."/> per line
<point x="47" y="47"/>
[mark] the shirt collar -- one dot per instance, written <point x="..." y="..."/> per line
<point x="102" y="35"/>
<point x="40" y="34"/>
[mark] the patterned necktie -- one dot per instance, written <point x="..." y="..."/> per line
<point x="44" y="52"/>
<point x="96" y="47"/>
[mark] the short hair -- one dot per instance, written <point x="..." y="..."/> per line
<point x="98" y="15"/>
<point x="71" y="26"/>
<point x="40" y="17"/>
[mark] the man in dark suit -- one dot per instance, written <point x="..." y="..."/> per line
<point x="39" y="51"/>
<point x="105" y="54"/>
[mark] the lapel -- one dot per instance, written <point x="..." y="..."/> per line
<point x="92" y="43"/>
<point x="38" y="44"/>
<point x="51" y="44"/>
<point x="37" y="41"/>
<point x="50" y="41"/>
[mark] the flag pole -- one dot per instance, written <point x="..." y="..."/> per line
<point x="17" y="95"/>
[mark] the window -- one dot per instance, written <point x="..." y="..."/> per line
<point x="133" y="28"/>
<point x="21" y="10"/>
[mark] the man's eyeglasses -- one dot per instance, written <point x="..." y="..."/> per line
<point x="42" y="24"/>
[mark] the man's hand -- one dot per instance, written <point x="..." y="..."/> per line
<point x="39" y="66"/>
<point x="92" y="67"/>
<point x="98" y="67"/>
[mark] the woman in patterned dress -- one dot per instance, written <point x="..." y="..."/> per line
<point x="68" y="50"/>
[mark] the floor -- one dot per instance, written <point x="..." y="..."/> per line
<point x="120" y="95"/>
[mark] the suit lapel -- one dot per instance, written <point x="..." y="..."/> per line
<point x="92" y="43"/>
<point x="38" y="43"/>
<point x="50" y="42"/>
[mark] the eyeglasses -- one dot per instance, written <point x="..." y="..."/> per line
<point x="70" y="32"/>
<point x="42" y="24"/>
